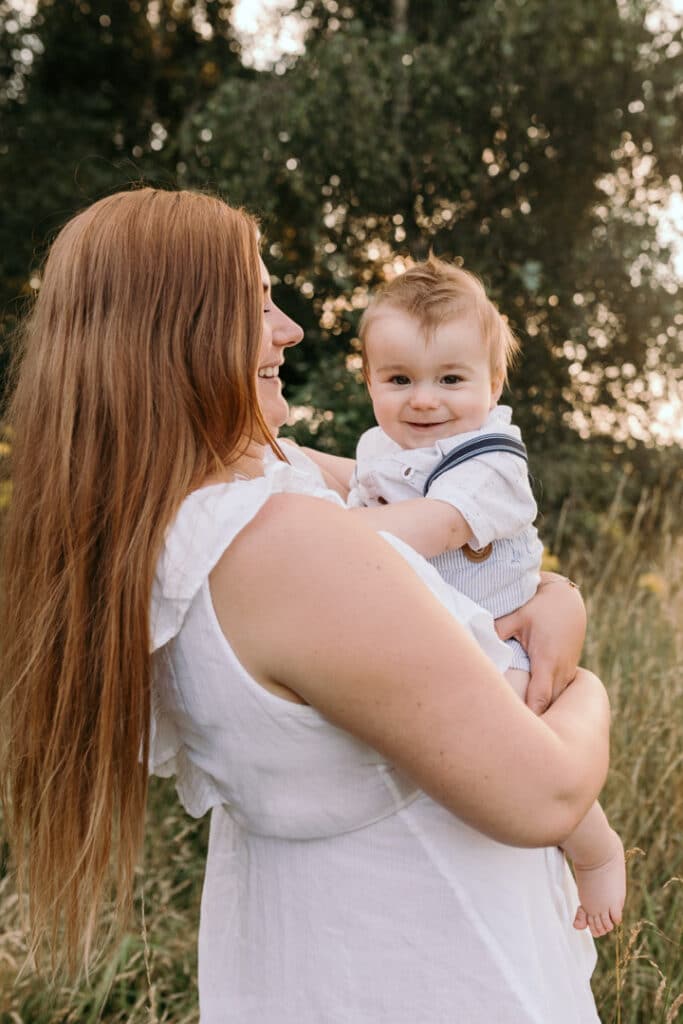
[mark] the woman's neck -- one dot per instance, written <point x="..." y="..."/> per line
<point x="249" y="465"/>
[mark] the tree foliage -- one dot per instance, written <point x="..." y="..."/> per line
<point x="92" y="93"/>
<point x="528" y="139"/>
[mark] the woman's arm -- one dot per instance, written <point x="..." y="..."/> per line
<point x="336" y="470"/>
<point x="552" y="628"/>
<point x="340" y="619"/>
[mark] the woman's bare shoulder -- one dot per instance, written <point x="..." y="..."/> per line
<point x="291" y="537"/>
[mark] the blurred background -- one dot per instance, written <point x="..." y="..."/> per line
<point x="539" y="141"/>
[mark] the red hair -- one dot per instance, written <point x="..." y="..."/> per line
<point x="136" y="378"/>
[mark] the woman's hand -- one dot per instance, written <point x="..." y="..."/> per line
<point x="552" y="628"/>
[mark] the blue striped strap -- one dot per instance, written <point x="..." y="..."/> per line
<point x="469" y="450"/>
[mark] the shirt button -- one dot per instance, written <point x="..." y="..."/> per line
<point x="479" y="555"/>
<point x="382" y="501"/>
<point x="407" y="471"/>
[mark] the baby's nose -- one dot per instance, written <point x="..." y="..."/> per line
<point x="424" y="398"/>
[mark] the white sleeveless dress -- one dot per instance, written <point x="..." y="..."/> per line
<point x="335" y="891"/>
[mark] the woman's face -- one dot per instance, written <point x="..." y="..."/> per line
<point x="279" y="332"/>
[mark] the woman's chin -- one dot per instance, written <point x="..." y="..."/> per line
<point x="274" y="408"/>
<point x="275" y="418"/>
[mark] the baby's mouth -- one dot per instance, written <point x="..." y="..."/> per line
<point x="424" y="426"/>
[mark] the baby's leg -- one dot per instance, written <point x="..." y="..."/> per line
<point x="518" y="680"/>
<point x="597" y="856"/>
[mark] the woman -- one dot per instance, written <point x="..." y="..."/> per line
<point x="363" y="758"/>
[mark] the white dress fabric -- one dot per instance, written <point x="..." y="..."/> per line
<point x="335" y="891"/>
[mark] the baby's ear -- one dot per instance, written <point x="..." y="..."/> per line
<point x="496" y="389"/>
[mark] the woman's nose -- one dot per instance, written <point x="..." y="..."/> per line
<point x="285" y="331"/>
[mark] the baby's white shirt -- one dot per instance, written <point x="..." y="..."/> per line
<point x="491" y="491"/>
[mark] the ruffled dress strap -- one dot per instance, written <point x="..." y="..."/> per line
<point x="206" y="524"/>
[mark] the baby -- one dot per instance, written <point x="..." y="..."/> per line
<point x="435" y="355"/>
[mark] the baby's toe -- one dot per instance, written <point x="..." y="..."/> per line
<point x="581" y="919"/>
<point x="607" y="922"/>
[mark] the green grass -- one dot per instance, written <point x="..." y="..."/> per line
<point x="635" y="643"/>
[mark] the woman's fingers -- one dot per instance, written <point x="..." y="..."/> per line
<point x="539" y="694"/>
<point x="509" y="626"/>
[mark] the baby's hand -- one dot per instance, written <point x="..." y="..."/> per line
<point x="602" y="891"/>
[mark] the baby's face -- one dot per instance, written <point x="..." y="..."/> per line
<point x="425" y="390"/>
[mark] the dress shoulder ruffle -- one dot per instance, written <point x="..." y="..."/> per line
<point x="207" y="522"/>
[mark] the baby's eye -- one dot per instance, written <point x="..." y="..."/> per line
<point x="399" y="378"/>
<point x="450" y="378"/>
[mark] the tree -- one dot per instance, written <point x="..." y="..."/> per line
<point x="91" y="96"/>
<point x="533" y="140"/>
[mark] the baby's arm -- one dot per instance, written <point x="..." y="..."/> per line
<point x="428" y="525"/>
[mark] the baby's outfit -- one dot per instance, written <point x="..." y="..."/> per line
<point x="493" y="494"/>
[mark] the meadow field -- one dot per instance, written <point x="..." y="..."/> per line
<point x="632" y="580"/>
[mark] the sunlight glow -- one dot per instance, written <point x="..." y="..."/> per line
<point x="671" y="231"/>
<point x="270" y="33"/>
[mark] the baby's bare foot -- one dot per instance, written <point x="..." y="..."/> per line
<point x="602" y="891"/>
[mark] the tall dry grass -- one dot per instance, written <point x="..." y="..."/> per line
<point x="633" y="584"/>
<point x="634" y="590"/>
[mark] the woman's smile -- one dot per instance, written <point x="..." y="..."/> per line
<point x="271" y="372"/>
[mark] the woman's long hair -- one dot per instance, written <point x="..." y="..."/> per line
<point x="136" y="378"/>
